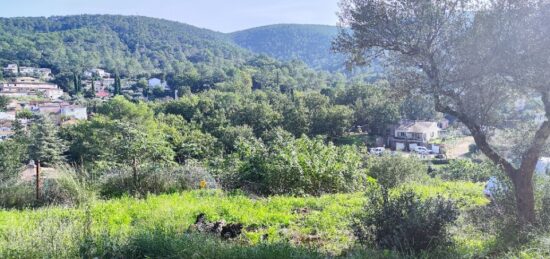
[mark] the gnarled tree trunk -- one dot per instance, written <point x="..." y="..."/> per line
<point x="525" y="198"/>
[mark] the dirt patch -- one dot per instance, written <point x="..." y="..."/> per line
<point x="460" y="147"/>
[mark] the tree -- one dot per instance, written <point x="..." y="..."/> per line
<point x="12" y="155"/>
<point x="76" y="83"/>
<point x="117" y="85"/>
<point x="45" y="145"/>
<point x="4" y="101"/>
<point x="469" y="63"/>
<point x="135" y="145"/>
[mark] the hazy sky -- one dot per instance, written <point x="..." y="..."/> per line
<point x="220" y="15"/>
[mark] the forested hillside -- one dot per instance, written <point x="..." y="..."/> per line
<point x="130" y="45"/>
<point x="137" y="45"/>
<point x="309" y="43"/>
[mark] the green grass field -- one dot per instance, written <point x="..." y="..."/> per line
<point x="127" y="227"/>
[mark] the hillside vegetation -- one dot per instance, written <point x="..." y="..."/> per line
<point x="158" y="226"/>
<point x="308" y="43"/>
<point x="129" y="44"/>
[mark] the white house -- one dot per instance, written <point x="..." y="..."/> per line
<point x="11" y="69"/>
<point x="6" y="116"/>
<point x="96" y="71"/>
<point x="156" y="82"/>
<point x="409" y="134"/>
<point x="74" y="112"/>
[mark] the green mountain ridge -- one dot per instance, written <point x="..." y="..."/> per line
<point x="128" y="44"/>
<point x="309" y="43"/>
<point x="135" y="45"/>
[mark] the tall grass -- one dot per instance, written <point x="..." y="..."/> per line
<point x="308" y="227"/>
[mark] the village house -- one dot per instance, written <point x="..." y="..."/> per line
<point x="61" y="111"/>
<point x="15" y="70"/>
<point x="407" y="135"/>
<point x="10" y="69"/>
<point x="6" y="122"/>
<point x="90" y="73"/>
<point x="156" y="82"/>
<point x="28" y="86"/>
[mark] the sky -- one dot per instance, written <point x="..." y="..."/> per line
<point x="219" y="15"/>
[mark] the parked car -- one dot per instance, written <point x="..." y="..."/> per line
<point x="422" y="150"/>
<point x="377" y="151"/>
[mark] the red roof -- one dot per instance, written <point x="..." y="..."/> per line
<point x="102" y="94"/>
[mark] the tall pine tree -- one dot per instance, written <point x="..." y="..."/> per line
<point x="45" y="144"/>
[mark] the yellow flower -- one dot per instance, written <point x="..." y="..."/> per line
<point x="202" y="184"/>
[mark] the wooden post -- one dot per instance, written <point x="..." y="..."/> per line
<point x="37" y="180"/>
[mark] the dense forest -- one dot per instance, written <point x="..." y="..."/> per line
<point x="131" y="45"/>
<point x="309" y="43"/>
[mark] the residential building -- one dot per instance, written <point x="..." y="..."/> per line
<point x="60" y="111"/>
<point x="13" y="69"/>
<point x="90" y="73"/>
<point x="156" y="82"/>
<point x="74" y="112"/>
<point x="10" y="69"/>
<point x="29" y="86"/>
<point x="409" y="134"/>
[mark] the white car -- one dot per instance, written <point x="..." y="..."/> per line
<point x="377" y="150"/>
<point x="422" y="150"/>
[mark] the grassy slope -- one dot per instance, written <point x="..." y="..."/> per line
<point x="156" y="225"/>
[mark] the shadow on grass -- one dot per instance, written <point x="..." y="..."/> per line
<point x="161" y="244"/>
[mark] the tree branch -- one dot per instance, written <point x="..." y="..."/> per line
<point x="479" y="136"/>
<point x="532" y="154"/>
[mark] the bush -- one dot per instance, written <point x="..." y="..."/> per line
<point x="391" y="171"/>
<point x="63" y="190"/>
<point x="467" y="170"/>
<point x="405" y="223"/>
<point x="297" y="166"/>
<point x="154" y="180"/>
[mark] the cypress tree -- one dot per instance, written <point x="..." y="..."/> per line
<point x="117" y="84"/>
<point x="78" y="79"/>
<point x="75" y="83"/>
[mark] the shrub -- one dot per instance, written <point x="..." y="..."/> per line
<point x="406" y="223"/>
<point x="154" y="180"/>
<point x="298" y="167"/>
<point x="391" y="171"/>
<point x="64" y="190"/>
<point x="467" y="170"/>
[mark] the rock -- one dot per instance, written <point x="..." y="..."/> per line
<point x="232" y="230"/>
<point x="218" y="228"/>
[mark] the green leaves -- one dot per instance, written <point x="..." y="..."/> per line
<point x="45" y="144"/>
<point x="300" y="167"/>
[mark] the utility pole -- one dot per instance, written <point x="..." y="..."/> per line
<point x="38" y="180"/>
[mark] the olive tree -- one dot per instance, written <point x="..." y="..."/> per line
<point x="471" y="57"/>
